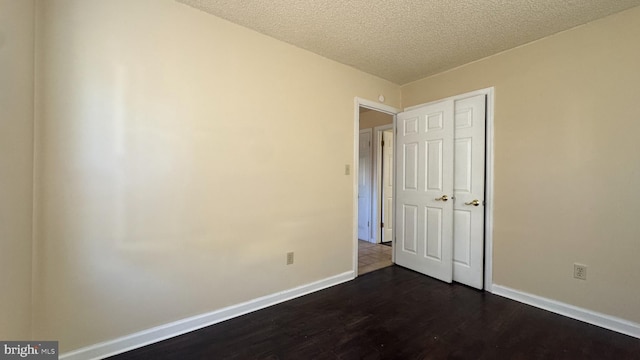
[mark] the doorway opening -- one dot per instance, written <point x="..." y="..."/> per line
<point x="374" y="189"/>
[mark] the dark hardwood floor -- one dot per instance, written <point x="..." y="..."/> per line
<point x="394" y="313"/>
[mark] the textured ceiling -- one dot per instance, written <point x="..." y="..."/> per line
<point x="403" y="41"/>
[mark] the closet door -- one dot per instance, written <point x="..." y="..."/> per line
<point x="424" y="205"/>
<point x="468" y="211"/>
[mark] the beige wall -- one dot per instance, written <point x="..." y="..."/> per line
<point x="566" y="161"/>
<point x="181" y="157"/>
<point x="371" y="118"/>
<point x="172" y="159"/>
<point x="16" y="166"/>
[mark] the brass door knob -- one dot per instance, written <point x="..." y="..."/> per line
<point x="474" y="203"/>
<point x="442" y="198"/>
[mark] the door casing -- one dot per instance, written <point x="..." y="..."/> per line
<point x="489" y="166"/>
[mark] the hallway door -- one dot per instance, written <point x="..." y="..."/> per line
<point x="364" y="185"/>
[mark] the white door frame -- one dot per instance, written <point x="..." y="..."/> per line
<point x="376" y="212"/>
<point x="489" y="166"/>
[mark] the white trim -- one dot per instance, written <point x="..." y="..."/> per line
<point x="591" y="317"/>
<point x="159" y="333"/>
<point x="488" y="192"/>
<point x="485" y="91"/>
<point x="360" y="102"/>
<point x="395" y="188"/>
<point x="376" y="209"/>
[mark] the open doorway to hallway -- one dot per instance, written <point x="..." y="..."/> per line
<point x="375" y="190"/>
<point x="373" y="256"/>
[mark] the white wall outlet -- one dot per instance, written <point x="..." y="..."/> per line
<point x="289" y="258"/>
<point x="580" y="271"/>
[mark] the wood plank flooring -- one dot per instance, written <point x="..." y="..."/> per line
<point x="394" y="313"/>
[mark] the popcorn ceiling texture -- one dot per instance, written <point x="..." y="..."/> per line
<point x="403" y="41"/>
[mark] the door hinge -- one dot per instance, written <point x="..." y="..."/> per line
<point x="368" y="224"/>
<point x="382" y="142"/>
<point x="382" y="225"/>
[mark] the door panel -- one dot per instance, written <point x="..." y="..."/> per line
<point x="468" y="238"/>
<point x="434" y="170"/>
<point x="462" y="171"/>
<point x="409" y="228"/>
<point x="433" y="233"/>
<point x="364" y="185"/>
<point x="462" y="238"/>
<point x="425" y="172"/>
<point x="410" y="160"/>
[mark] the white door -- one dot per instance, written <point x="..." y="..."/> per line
<point x="424" y="187"/>
<point x="387" y="186"/>
<point x="364" y="185"/>
<point x="468" y="218"/>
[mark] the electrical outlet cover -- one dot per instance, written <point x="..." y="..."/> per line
<point x="580" y="271"/>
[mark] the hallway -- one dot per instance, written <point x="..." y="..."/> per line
<point x="373" y="256"/>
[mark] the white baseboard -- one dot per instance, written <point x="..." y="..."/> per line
<point x="606" y="321"/>
<point x="159" y="333"/>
